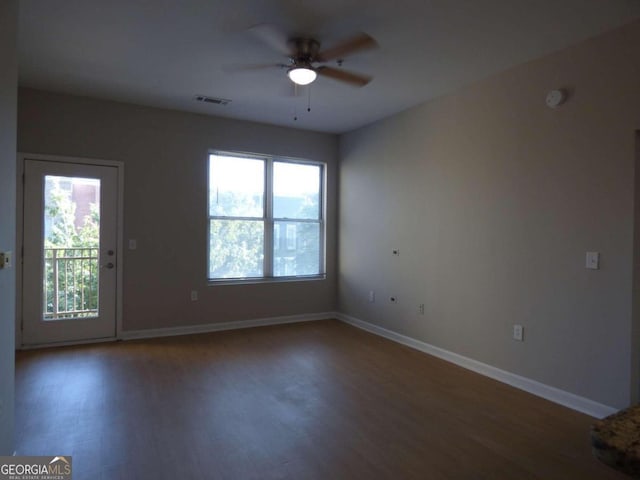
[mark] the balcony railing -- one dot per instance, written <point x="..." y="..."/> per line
<point x="71" y="283"/>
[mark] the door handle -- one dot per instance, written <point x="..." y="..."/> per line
<point x="108" y="265"/>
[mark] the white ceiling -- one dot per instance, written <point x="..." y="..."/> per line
<point x="164" y="52"/>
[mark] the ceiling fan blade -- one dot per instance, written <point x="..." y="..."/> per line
<point x="273" y="37"/>
<point x="362" y="41"/>
<point x="250" y="67"/>
<point x="355" y="79"/>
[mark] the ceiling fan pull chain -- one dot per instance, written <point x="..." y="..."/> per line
<point x="309" y="99"/>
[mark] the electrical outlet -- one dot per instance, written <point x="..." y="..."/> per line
<point x="421" y="309"/>
<point x="518" y="333"/>
<point x="6" y="260"/>
<point x="372" y="296"/>
<point x="393" y="299"/>
<point x="194" y="295"/>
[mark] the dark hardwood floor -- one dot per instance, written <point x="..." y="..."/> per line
<point x="319" y="400"/>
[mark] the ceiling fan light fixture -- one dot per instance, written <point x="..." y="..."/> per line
<point x="302" y="75"/>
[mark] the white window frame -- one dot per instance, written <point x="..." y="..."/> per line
<point x="269" y="220"/>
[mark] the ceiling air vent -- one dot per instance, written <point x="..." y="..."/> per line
<point x="214" y="100"/>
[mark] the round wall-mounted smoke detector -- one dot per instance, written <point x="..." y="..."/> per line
<point x="555" y="98"/>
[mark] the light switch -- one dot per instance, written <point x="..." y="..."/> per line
<point x="6" y="259"/>
<point x="593" y="260"/>
<point x="518" y="333"/>
<point x="133" y="244"/>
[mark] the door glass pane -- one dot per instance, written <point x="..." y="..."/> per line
<point x="71" y="247"/>
<point x="236" y="187"/>
<point x="296" y="191"/>
<point x="236" y="248"/>
<point x="296" y="248"/>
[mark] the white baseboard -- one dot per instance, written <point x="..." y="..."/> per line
<point x="216" y="327"/>
<point x="570" y="400"/>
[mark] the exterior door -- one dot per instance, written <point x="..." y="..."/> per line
<point x="70" y="238"/>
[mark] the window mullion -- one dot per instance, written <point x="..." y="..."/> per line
<point x="229" y="217"/>
<point x="268" y="219"/>
<point x="297" y="220"/>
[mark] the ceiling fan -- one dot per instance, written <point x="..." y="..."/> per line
<point x="304" y="55"/>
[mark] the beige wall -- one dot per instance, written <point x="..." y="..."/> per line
<point x="165" y="157"/>
<point x="493" y="199"/>
<point x="8" y="100"/>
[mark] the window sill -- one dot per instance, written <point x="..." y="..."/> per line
<point x="255" y="281"/>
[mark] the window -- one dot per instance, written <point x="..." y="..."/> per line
<point x="265" y="217"/>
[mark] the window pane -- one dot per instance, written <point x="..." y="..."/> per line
<point x="71" y="241"/>
<point x="236" y="248"/>
<point x="236" y="186"/>
<point x="296" y="191"/>
<point x="296" y="248"/>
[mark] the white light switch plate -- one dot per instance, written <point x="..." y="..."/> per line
<point x="593" y="261"/>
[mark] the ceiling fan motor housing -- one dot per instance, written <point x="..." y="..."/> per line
<point x="305" y="51"/>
